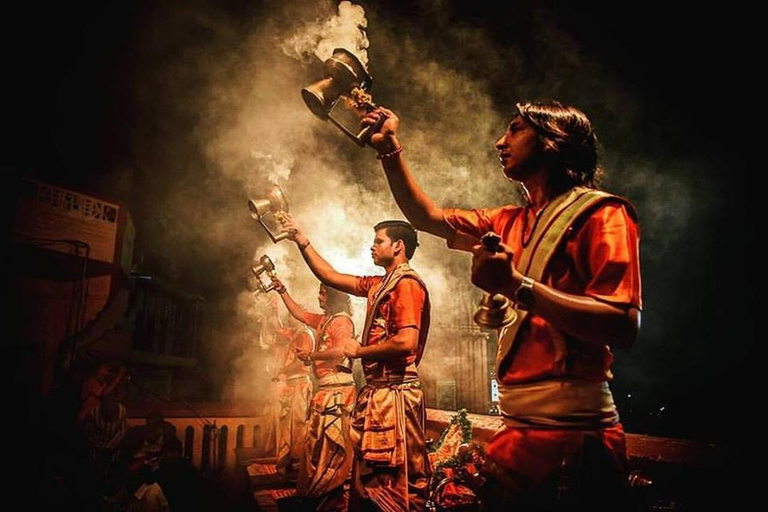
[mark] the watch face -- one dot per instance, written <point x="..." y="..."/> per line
<point x="524" y="295"/>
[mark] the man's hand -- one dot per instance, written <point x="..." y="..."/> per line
<point x="292" y="227"/>
<point x="351" y="349"/>
<point x="303" y="355"/>
<point x="382" y="140"/>
<point x="494" y="272"/>
<point x="279" y="286"/>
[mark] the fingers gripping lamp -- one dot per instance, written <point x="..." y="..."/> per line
<point x="494" y="311"/>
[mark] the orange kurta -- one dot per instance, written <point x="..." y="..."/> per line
<point x="399" y="309"/>
<point x="331" y="334"/>
<point x="392" y="469"/>
<point x="298" y="340"/>
<point x="599" y="258"/>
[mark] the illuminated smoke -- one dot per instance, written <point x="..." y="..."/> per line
<point x="225" y="96"/>
<point x="346" y="29"/>
<point x="277" y="168"/>
<point x="254" y="130"/>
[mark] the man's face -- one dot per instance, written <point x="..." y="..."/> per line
<point x="322" y="297"/>
<point x="383" y="250"/>
<point x="519" y="150"/>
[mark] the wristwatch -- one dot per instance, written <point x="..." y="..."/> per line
<point x="524" y="294"/>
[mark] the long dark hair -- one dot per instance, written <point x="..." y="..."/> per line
<point x="336" y="301"/>
<point x="567" y="136"/>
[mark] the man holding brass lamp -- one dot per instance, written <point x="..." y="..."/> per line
<point x="391" y="470"/>
<point x="294" y="389"/>
<point x="326" y="462"/>
<point x="569" y="262"/>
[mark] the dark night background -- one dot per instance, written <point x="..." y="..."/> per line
<point x="70" y="118"/>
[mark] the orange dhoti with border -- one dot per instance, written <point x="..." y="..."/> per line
<point x="326" y="462"/>
<point x="392" y="468"/>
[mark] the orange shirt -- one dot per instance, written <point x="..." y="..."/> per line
<point x="300" y="340"/>
<point x="401" y="308"/>
<point x="599" y="259"/>
<point x="339" y="328"/>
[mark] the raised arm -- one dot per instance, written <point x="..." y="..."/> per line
<point x="316" y="263"/>
<point x="417" y="207"/>
<point x="291" y="305"/>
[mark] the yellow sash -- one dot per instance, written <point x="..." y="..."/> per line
<point x="562" y="212"/>
<point x="387" y="285"/>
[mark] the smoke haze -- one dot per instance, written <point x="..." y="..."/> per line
<point x="202" y="111"/>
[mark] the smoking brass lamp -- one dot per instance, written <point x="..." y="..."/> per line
<point x="265" y="266"/>
<point x="345" y="77"/>
<point x="268" y="212"/>
<point x="494" y="311"/>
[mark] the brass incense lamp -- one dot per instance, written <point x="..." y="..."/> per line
<point x="494" y="311"/>
<point x="268" y="211"/>
<point x="345" y="77"/>
<point x="264" y="266"/>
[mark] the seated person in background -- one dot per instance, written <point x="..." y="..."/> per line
<point x="143" y="444"/>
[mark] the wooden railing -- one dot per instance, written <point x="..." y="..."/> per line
<point x="213" y="435"/>
<point x="245" y="429"/>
